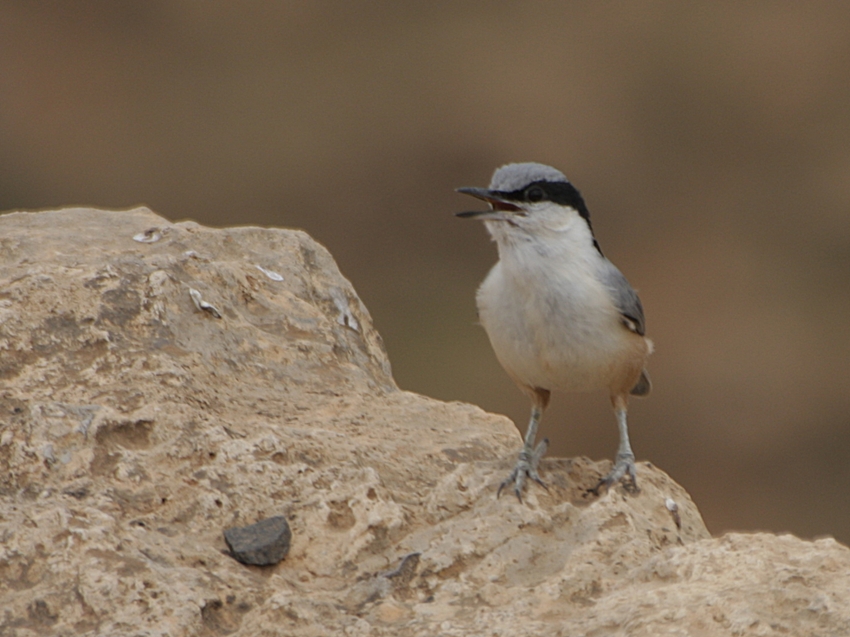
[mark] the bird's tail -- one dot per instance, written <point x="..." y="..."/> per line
<point x="643" y="386"/>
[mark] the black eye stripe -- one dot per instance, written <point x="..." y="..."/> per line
<point x="562" y="193"/>
<point x="559" y="192"/>
<point x="534" y="193"/>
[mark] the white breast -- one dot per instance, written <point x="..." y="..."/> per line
<point x="551" y="323"/>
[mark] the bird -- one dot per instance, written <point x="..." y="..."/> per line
<point x="559" y="315"/>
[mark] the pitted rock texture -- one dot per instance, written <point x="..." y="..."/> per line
<point x="135" y="426"/>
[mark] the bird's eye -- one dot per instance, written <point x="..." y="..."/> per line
<point x="534" y="193"/>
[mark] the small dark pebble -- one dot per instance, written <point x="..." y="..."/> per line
<point x="261" y="544"/>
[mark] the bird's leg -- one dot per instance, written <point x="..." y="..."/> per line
<point x="624" y="465"/>
<point x="529" y="455"/>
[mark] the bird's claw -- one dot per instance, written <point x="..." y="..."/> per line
<point x="526" y="467"/>
<point x="623" y="470"/>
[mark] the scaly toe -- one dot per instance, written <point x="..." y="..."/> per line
<point x="623" y="470"/>
<point x="526" y="468"/>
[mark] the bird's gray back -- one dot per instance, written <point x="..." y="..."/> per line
<point x="623" y="295"/>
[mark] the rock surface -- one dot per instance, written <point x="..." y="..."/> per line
<point x="136" y="425"/>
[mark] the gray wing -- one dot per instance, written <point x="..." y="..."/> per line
<point x="625" y="298"/>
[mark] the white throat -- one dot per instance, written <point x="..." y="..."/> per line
<point x="563" y="237"/>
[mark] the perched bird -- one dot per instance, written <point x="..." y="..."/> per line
<point x="559" y="315"/>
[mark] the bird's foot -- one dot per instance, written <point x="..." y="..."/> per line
<point x="624" y="470"/>
<point x="526" y="467"/>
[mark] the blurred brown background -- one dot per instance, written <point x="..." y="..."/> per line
<point x="710" y="139"/>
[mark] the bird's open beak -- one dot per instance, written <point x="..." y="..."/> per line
<point x="498" y="205"/>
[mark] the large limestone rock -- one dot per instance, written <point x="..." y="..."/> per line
<point x="138" y="422"/>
